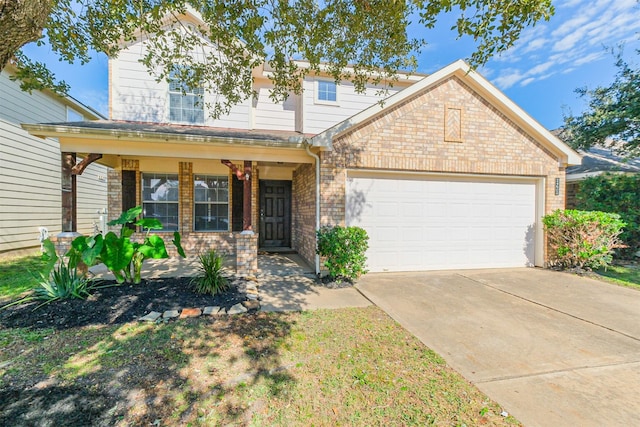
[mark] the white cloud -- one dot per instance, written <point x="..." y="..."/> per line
<point x="541" y="68"/>
<point x="508" y="79"/>
<point x="589" y="58"/>
<point x="574" y="37"/>
<point x="96" y="99"/>
<point x="527" y="81"/>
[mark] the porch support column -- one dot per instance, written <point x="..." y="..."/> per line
<point x="246" y="200"/>
<point x="69" y="212"/>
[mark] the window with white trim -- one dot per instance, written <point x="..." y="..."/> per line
<point x="160" y="199"/>
<point x="211" y="203"/>
<point x="327" y="91"/>
<point x="185" y="103"/>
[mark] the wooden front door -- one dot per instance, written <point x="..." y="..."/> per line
<point x="275" y="214"/>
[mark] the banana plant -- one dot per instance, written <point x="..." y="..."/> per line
<point x="122" y="256"/>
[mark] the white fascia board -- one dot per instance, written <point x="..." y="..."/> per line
<point x="463" y="71"/>
<point x="70" y="131"/>
<point x="403" y="76"/>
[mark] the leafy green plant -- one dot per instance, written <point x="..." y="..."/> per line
<point x="582" y="238"/>
<point x="344" y="250"/>
<point x="64" y="282"/>
<point x="57" y="280"/>
<point x="121" y="255"/>
<point x="616" y="193"/>
<point x="210" y="280"/>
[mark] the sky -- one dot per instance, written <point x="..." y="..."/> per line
<point x="540" y="73"/>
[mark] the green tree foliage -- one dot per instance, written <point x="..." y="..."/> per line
<point x="582" y="238"/>
<point x="615" y="193"/>
<point x="360" y="40"/>
<point x="613" y="115"/>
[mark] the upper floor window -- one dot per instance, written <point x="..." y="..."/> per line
<point x="185" y="102"/>
<point x="160" y="199"/>
<point x="327" y="91"/>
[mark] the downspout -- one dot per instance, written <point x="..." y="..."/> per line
<point x="317" y="158"/>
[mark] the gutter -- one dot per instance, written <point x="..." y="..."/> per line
<point x="56" y="131"/>
<point x="317" y="158"/>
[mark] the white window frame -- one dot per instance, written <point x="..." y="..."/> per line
<point x="175" y="90"/>
<point x="150" y="201"/>
<point x="317" y="92"/>
<point x="227" y="203"/>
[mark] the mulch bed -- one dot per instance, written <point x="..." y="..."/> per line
<point x="116" y="304"/>
<point x="333" y="283"/>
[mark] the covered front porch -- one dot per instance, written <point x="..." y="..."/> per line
<point x="235" y="191"/>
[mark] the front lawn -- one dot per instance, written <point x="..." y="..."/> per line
<point x="328" y="367"/>
<point x="17" y="275"/>
<point x="61" y="366"/>
<point x="627" y="275"/>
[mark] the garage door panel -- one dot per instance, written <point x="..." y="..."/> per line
<point x="421" y="224"/>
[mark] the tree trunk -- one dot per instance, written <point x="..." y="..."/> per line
<point x="21" y="22"/>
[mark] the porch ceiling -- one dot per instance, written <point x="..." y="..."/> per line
<point x="175" y="141"/>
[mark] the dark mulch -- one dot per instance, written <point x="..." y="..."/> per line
<point x="116" y="304"/>
<point x="334" y="283"/>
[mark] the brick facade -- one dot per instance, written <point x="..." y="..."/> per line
<point x="192" y="242"/>
<point x="185" y="187"/>
<point x="411" y="136"/>
<point x="303" y="216"/>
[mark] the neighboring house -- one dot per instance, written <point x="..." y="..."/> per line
<point x="596" y="161"/>
<point x="30" y="185"/>
<point x="447" y="173"/>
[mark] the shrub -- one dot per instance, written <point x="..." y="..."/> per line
<point x="57" y="280"/>
<point x="211" y="280"/>
<point x="344" y="250"/>
<point x="64" y="282"/>
<point x="582" y="238"/>
<point x="615" y="193"/>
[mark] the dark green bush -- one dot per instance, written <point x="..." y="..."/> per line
<point x="344" y="250"/>
<point x="582" y="238"/>
<point x="210" y="280"/>
<point x="619" y="194"/>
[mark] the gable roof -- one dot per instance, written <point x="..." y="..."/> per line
<point x="479" y="84"/>
<point x="598" y="160"/>
<point x="88" y="112"/>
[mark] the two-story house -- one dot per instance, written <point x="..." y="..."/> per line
<point x="30" y="179"/>
<point x="446" y="173"/>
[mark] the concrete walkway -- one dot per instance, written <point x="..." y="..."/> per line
<point x="552" y="348"/>
<point x="287" y="283"/>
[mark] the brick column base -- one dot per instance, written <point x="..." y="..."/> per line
<point x="246" y="254"/>
<point x="63" y="241"/>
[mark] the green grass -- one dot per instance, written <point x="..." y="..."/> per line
<point x="323" y="368"/>
<point x="16" y="275"/>
<point x="622" y="275"/>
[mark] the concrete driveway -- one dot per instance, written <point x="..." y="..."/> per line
<point x="552" y="348"/>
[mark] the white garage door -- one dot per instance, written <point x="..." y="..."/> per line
<point x="431" y="224"/>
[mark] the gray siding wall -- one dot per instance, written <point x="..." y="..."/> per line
<point x="30" y="172"/>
